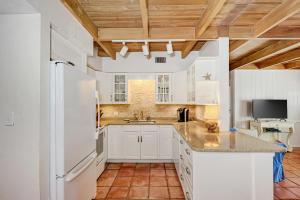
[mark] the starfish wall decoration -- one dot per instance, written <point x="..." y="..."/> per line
<point x="207" y="77"/>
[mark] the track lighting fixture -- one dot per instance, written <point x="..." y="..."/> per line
<point x="170" y="48"/>
<point x="145" y="49"/>
<point x="124" y="50"/>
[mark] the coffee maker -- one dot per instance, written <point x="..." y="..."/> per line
<point x="182" y="114"/>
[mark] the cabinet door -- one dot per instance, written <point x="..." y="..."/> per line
<point x="149" y="145"/>
<point x="131" y="145"/>
<point x="179" y="87"/>
<point x="120" y="88"/>
<point x="165" y="142"/>
<point x="104" y="87"/>
<point x="207" y="92"/>
<point x="176" y="155"/>
<point x="115" y="142"/>
<point x="163" y="88"/>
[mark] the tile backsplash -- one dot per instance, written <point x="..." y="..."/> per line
<point x="141" y="97"/>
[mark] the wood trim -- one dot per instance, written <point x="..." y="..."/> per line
<point x="76" y="9"/>
<point x="280" y="59"/>
<point x="214" y="7"/>
<point x="145" y="20"/>
<point x="271" y="50"/>
<point x="285" y="10"/>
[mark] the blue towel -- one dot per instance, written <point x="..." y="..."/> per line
<point x="278" y="173"/>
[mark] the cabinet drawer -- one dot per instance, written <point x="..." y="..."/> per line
<point x="186" y="150"/>
<point x="187" y="188"/>
<point x="150" y="128"/>
<point x="128" y="128"/>
<point x="188" y="171"/>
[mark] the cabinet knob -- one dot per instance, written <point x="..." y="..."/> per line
<point x="187" y="152"/>
<point x="188" y="171"/>
<point x="181" y="142"/>
<point x="181" y="177"/>
<point x="181" y="157"/>
<point x="188" y="195"/>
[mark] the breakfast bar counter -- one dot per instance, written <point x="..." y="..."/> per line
<point x="199" y="139"/>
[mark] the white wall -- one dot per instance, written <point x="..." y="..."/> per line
<point x="265" y="84"/>
<point x="137" y="62"/>
<point x="219" y="49"/>
<point x="20" y="93"/>
<point x="54" y="14"/>
<point x="95" y="62"/>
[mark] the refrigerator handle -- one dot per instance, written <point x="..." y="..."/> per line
<point x="76" y="172"/>
<point x="98" y="106"/>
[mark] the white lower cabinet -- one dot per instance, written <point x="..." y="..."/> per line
<point x="149" y="145"/>
<point x="147" y="142"/>
<point x="115" y="142"/>
<point x="165" y="142"/>
<point x="131" y="145"/>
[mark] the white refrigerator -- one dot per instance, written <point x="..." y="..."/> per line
<point x="72" y="138"/>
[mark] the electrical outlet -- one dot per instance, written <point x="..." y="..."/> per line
<point x="116" y="113"/>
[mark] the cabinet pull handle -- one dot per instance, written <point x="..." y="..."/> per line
<point x="187" y="152"/>
<point x="181" y="142"/>
<point x="141" y="138"/>
<point x="188" y="171"/>
<point x="138" y="138"/>
<point x="188" y="195"/>
<point x="181" y="157"/>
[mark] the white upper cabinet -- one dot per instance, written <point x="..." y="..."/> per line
<point x="113" y="88"/>
<point x="179" y="87"/>
<point x="202" y="87"/>
<point x="163" y="88"/>
<point x="120" y="94"/>
<point x="104" y="87"/>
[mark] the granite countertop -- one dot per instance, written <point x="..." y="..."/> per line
<point x="197" y="137"/>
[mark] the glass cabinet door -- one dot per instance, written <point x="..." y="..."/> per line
<point x="120" y="88"/>
<point x="163" y="88"/>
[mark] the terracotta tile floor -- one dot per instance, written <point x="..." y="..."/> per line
<point x="139" y="181"/>
<point x="290" y="187"/>
<point x="160" y="181"/>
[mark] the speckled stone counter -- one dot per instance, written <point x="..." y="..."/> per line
<point x="197" y="137"/>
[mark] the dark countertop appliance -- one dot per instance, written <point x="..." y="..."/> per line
<point x="182" y="114"/>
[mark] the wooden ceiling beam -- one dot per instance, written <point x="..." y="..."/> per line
<point x="280" y="59"/>
<point x="145" y="20"/>
<point x="214" y="7"/>
<point x="236" y="44"/>
<point x="285" y="10"/>
<point x="76" y="9"/>
<point x="269" y="51"/>
<point x="292" y="65"/>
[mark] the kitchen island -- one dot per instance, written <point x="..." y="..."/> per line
<point x="214" y="166"/>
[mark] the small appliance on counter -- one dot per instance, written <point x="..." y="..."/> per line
<point x="182" y="114"/>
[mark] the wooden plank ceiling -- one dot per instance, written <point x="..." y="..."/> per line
<point x="263" y="33"/>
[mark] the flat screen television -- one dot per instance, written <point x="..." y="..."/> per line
<point x="269" y="108"/>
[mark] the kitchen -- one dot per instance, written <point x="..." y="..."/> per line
<point x="138" y="99"/>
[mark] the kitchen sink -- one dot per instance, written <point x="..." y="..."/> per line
<point x="140" y="121"/>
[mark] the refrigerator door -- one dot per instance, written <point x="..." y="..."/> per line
<point x="80" y="182"/>
<point x="75" y="112"/>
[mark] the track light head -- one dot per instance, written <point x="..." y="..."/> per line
<point x="170" y="48"/>
<point x="145" y="49"/>
<point x="124" y="50"/>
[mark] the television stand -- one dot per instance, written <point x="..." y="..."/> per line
<point x="277" y="129"/>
